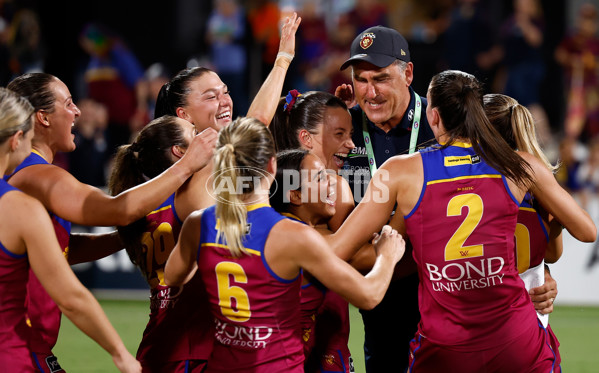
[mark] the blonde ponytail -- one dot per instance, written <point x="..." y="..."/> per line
<point x="15" y="114"/>
<point x="230" y="210"/>
<point x="525" y="134"/>
<point x="244" y="149"/>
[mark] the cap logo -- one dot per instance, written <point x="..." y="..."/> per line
<point x="403" y="53"/>
<point x="367" y="40"/>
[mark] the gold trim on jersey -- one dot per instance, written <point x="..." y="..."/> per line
<point x="160" y="209"/>
<point x="40" y="154"/>
<point x="464" y="178"/>
<point x="528" y="209"/>
<point x="213" y="244"/>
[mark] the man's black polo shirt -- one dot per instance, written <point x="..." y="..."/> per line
<point x="384" y="145"/>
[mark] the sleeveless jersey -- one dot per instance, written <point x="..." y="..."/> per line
<point x="256" y="312"/>
<point x="532" y="239"/>
<point x="531" y="236"/>
<point x="14" y="270"/>
<point x="311" y="297"/>
<point x="331" y="351"/>
<point x="43" y="314"/>
<point x="179" y="327"/>
<point x="462" y="231"/>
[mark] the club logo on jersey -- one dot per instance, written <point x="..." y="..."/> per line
<point x="366" y="40"/>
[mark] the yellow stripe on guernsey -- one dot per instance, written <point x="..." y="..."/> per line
<point x="528" y="209"/>
<point x="290" y="215"/>
<point x="40" y="154"/>
<point x="458" y="144"/>
<point x="214" y="244"/>
<point x="497" y="176"/>
<point x="160" y="209"/>
<point x="251" y="251"/>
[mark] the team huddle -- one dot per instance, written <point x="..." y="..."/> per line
<point x="433" y="215"/>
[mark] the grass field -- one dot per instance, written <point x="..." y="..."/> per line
<point x="577" y="329"/>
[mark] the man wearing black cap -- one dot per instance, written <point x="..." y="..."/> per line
<point x="389" y="119"/>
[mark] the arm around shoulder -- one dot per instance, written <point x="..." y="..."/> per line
<point x="559" y="203"/>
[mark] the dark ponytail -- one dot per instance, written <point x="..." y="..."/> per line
<point x="175" y="93"/>
<point x="144" y="159"/>
<point x="296" y="112"/>
<point x="458" y="97"/>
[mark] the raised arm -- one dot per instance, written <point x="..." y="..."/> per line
<point x="265" y="103"/>
<point x="32" y="223"/>
<point x="181" y="264"/>
<point x="64" y="195"/>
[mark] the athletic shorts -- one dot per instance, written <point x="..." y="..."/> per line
<point x="527" y="353"/>
<point x="186" y="366"/>
<point x="331" y="362"/>
<point x="554" y="343"/>
<point x="46" y="363"/>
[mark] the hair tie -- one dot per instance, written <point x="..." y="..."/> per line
<point x="230" y="147"/>
<point x="290" y="100"/>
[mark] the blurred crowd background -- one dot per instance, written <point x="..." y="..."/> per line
<point x="115" y="55"/>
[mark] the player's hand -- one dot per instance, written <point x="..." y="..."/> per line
<point x="201" y="149"/>
<point x="543" y="296"/>
<point x="389" y="243"/>
<point x="126" y="363"/>
<point x="346" y="93"/>
<point x="287" y="43"/>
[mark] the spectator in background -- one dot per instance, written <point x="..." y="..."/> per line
<point x="156" y="76"/>
<point x="27" y="52"/>
<point x="587" y="175"/>
<point x="226" y="34"/>
<point x="6" y="13"/>
<point x="470" y="42"/>
<point x="114" y="77"/>
<point x="578" y="54"/>
<point x="313" y="46"/>
<point x="264" y="16"/>
<point x="89" y="159"/>
<point x="522" y="39"/>
<point x="569" y="155"/>
<point x="368" y="13"/>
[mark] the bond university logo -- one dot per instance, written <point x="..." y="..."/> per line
<point x="367" y="40"/>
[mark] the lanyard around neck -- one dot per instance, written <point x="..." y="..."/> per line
<point x="413" y="135"/>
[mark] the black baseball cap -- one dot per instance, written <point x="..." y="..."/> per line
<point x="378" y="45"/>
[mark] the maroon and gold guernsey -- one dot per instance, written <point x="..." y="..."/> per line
<point x="180" y="325"/>
<point x="462" y="230"/>
<point x="531" y="236"/>
<point x="256" y="312"/>
<point x="44" y="315"/>
<point x="14" y="269"/>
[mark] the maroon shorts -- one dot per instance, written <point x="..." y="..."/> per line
<point x="186" y="366"/>
<point x="554" y="343"/>
<point x="531" y="352"/>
